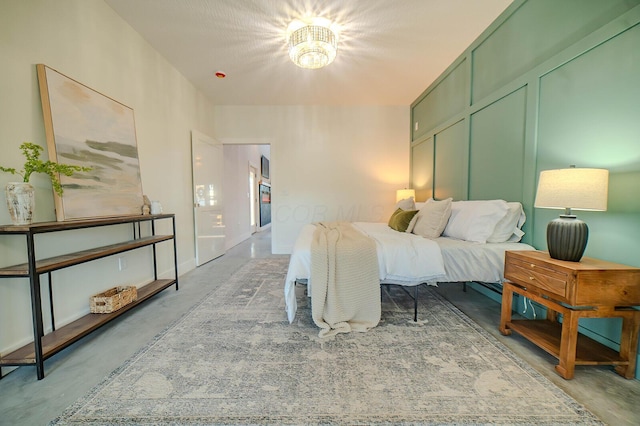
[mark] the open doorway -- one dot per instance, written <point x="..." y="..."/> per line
<point x="243" y="176"/>
<point x="253" y="197"/>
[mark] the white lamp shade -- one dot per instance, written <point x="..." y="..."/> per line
<point x="573" y="188"/>
<point x="403" y="194"/>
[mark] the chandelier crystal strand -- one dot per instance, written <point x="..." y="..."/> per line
<point x="312" y="46"/>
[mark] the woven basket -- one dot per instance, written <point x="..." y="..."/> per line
<point x="113" y="299"/>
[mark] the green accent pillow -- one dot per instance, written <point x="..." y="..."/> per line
<point x="400" y="219"/>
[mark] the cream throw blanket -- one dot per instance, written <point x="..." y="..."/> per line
<point x="345" y="286"/>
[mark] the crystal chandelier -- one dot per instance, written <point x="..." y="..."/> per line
<point x="312" y="45"/>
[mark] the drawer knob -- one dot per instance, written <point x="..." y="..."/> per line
<point x="532" y="278"/>
<point x="532" y="265"/>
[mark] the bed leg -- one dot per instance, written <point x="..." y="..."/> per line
<point x="415" y="304"/>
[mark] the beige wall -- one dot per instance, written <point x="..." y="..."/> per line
<point x="87" y="41"/>
<point x="327" y="163"/>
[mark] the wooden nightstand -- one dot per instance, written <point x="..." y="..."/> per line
<point x="590" y="288"/>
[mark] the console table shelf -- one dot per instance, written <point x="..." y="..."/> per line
<point x="46" y="345"/>
<point x="59" y="339"/>
<point x="66" y="260"/>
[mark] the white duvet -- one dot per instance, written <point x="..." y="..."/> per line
<point x="403" y="258"/>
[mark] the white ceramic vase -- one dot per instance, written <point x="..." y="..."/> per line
<point x="21" y="202"/>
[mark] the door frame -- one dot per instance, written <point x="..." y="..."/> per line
<point x="253" y="197"/>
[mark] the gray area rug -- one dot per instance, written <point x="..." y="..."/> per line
<point x="234" y="359"/>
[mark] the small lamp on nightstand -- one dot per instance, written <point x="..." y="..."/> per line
<point x="403" y="194"/>
<point x="572" y="188"/>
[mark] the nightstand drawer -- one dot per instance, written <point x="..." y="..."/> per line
<point x="544" y="279"/>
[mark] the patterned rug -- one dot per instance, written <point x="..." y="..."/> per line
<point x="234" y="359"/>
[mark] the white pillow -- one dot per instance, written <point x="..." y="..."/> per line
<point x="509" y="225"/>
<point x="475" y="220"/>
<point x="412" y="224"/>
<point x="406" y="204"/>
<point x="516" y="236"/>
<point x="432" y="218"/>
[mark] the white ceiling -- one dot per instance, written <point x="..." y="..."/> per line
<point x="388" y="51"/>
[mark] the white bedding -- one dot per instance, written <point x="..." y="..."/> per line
<point x="408" y="259"/>
<point x="403" y="258"/>
<point x="468" y="261"/>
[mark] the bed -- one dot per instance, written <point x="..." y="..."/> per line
<point x="443" y="241"/>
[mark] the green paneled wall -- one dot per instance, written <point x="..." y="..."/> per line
<point x="550" y="83"/>
<point x="451" y="162"/>
<point x="497" y="152"/>
<point x="443" y="101"/>
<point x="590" y="117"/>
<point x="589" y="109"/>
<point x="422" y="169"/>
<point x="536" y="32"/>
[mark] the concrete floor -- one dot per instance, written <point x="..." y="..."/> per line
<point x="24" y="400"/>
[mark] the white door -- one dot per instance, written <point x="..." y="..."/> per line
<point x="207" y="160"/>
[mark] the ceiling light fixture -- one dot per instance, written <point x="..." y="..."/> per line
<point x="312" y="44"/>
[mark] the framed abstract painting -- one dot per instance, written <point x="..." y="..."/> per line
<point x="86" y="128"/>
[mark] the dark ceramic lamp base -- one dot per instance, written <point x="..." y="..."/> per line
<point x="567" y="238"/>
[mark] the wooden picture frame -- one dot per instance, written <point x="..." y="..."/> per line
<point x="86" y="128"/>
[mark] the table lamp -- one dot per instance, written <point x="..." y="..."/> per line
<point x="403" y="194"/>
<point x="572" y="188"/>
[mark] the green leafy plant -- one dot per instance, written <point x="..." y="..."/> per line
<point x="34" y="164"/>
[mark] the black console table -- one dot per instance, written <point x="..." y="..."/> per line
<point x="45" y="346"/>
